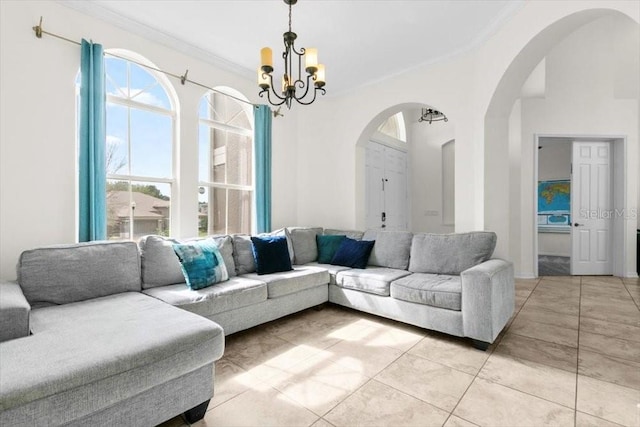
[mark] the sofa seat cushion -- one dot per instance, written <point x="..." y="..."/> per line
<point x="90" y="355"/>
<point x="290" y="282"/>
<point x="436" y="290"/>
<point x="331" y="269"/>
<point x="235" y="293"/>
<point x="374" y="280"/>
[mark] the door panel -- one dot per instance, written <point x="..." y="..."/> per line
<point x="374" y="196"/>
<point x="386" y="187"/>
<point x="591" y="208"/>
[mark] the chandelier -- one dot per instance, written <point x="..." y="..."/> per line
<point x="294" y="87"/>
<point x="429" y="115"/>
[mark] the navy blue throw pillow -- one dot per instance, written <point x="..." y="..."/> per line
<point x="271" y="254"/>
<point x="353" y="253"/>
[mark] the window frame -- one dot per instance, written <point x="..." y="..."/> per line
<point x="213" y="124"/>
<point x="134" y="59"/>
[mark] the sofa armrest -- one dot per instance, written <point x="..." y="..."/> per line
<point x="14" y="312"/>
<point x="488" y="299"/>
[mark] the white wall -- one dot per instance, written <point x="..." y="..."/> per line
<point x="426" y="141"/>
<point x="554" y="162"/>
<point x="37" y="127"/>
<point x="318" y="174"/>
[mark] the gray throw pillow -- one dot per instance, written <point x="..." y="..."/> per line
<point x="450" y="253"/>
<point x="243" y="254"/>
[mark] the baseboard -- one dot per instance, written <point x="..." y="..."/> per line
<point x="631" y="275"/>
<point x="554" y="254"/>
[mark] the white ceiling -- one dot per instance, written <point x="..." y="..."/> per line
<point x="359" y="41"/>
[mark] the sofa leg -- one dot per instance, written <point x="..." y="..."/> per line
<point x="197" y="413"/>
<point x="481" y="345"/>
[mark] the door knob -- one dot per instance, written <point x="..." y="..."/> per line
<point x="577" y="225"/>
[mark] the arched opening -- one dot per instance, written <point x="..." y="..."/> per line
<point x="405" y="184"/>
<point x="557" y="87"/>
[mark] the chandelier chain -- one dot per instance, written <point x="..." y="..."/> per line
<point x="289" y="17"/>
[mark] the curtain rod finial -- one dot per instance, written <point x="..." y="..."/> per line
<point x="38" y="29"/>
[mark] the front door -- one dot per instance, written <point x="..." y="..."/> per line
<point x="386" y="187"/>
<point x="591" y="212"/>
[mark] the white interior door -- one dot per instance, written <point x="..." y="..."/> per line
<point x="374" y="165"/>
<point x="395" y="189"/>
<point x="386" y="187"/>
<point x="591" y="212"/>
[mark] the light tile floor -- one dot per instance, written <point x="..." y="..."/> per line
<point x="570" y="356"/>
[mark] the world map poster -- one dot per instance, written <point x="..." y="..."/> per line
<point x="554" y="205"/>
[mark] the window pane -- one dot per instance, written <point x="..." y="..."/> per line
<point x="212" y="207"/>
<point x="239" y="218"/>
<point x="117" y="156"/>
<point x="238" y="159"/>
<point x="148" y="204"/>
<point x="203" y="211"/>
<point x="151" y="208"/>
<point x="224" y="157"/>
<point x="151" y="144"/>
<point x="145" y="88"/>
<point x="204" y="153"/>
<point x="116" y="71"/>
<point x="118" y="209"/>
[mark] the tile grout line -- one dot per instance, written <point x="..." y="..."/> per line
<point x="631" y="296"/>
<point x="497" y="343"/>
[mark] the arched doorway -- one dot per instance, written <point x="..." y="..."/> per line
<point x="575" y="101"/>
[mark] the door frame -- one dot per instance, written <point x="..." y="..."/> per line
<point x="618" y="196"/>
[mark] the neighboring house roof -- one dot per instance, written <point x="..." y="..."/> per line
<point x="147" y="207"/>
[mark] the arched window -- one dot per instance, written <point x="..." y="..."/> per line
<point x="394" y="127"/>
<point x="140" y="128"/>
<point x="225" y="170"/>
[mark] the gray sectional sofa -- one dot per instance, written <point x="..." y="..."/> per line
<point x="117" y="337"/>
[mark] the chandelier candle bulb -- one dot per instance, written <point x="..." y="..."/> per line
<point x="266" y="56"/>
<point x="311" y="60"/>
<point x="319" y="76"/>
<point x="263" y="79"/>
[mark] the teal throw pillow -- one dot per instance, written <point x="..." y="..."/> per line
<point x="327" y="247"/>
<point x="202" y="263"/>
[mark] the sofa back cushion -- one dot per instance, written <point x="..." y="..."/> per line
<point x="69" y="273"/>
<point x="305" y="247"/>
<point x="352" y="234"/>
<point x="161" y="266"/>
<point x="450" y="253"/>
<point x="392" y="248"/>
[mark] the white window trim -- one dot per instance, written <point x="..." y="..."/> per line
<point x="135" y="179"/>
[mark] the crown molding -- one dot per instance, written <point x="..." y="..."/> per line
<point x="130" y="25"/>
